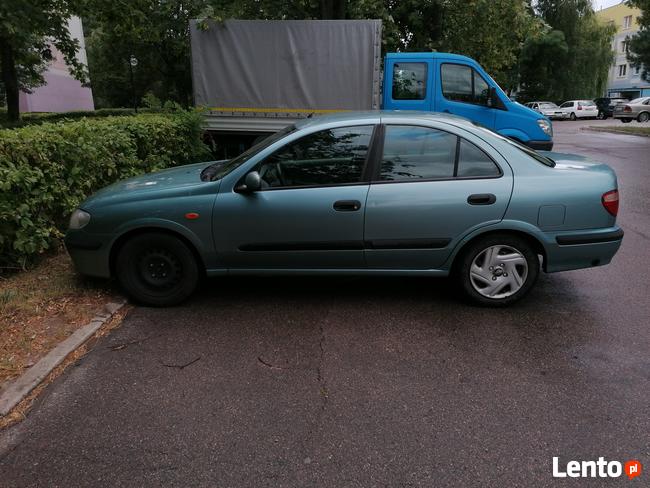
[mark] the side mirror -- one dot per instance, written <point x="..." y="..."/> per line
<point x="252" y="182"/>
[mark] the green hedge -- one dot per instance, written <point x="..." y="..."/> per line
<point x="31" y="118"/>
<point x="46" y="170"/>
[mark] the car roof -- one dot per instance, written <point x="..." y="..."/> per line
<point x="372" y="115"/>
<point x="430" y="55"/>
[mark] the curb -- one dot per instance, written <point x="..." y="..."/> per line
<point x="24" y="384"/>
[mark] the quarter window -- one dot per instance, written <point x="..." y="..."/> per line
<point x="409" y="81"/>
<point x="329" y="157"/>
<point x="417" y="153"/>
<point x="474" y="162"/>
<point x="463" y="84"/>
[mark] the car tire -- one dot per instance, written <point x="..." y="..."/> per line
<point x="572" y="116"/>
<point x="643" y="117"/>
<point x="626" y="121"/>
<point x="601" y="115"/>
<point x="157" y="269"/>
<point x="497" y="270"/>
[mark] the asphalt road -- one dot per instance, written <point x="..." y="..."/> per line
<point x="364" y="382"/>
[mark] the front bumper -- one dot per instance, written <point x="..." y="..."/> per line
<point x="584" y="249"/>
<point x="541" y="145"/>
<point x="90" y="253"/>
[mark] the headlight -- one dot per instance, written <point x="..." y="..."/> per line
<point x="79" y="219"/>
<point x="546" y="126"/>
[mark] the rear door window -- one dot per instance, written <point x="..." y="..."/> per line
<point x="463" y="83"/>
<point x="409" y="81"/>
<point x="417" y="153"/>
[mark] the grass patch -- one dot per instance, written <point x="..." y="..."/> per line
<point x="42" y="306"/>
<point x="633" y="130"/>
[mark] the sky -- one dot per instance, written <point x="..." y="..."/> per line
<point x="600" y="4"/>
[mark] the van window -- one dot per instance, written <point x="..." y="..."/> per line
<point x="409" y="81"/>
<point x="463" y="83"/>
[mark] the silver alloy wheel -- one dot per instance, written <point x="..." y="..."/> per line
<point x="498" y="271"/>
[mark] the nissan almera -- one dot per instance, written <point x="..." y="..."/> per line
<point x="377" y="193"/>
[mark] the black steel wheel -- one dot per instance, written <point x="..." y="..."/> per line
<point x="157" y="269"/>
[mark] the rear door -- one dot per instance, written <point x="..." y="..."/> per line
<point x="463" y="91"/>
<point x="429" y="189"/>
<point x="411" y="84"/>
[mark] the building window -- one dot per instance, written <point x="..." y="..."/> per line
<point x="622" y="70"/>
<point x="627" y="22"/>
<point x="625" y="46"/>
<point x="637" y="70"/>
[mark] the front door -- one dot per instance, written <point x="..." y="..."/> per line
<point x="310" y="210"/>
<point x="432" y="188"/>
<point x="464" y="92"/>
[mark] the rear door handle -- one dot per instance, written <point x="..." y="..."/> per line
<point x="347" y="205"/>
<point x="481" y="199"/>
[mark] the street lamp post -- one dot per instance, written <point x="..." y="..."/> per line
<point x="133" y="62"/>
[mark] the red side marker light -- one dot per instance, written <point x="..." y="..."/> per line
<point x="610" y="202"/>
<point x="191" y="216"/>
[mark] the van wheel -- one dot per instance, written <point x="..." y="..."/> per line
<point x="572" y="116"/>
<point x="157" y="269"/>
<point x="643" y="117"/>
<point x="498" y="270"/>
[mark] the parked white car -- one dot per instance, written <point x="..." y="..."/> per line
<point x="549" y="109"/>
<point x="579" y="109"/>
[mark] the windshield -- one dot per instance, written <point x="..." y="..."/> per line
<point x="547" y="105"/>
<point x="220" y="169"/>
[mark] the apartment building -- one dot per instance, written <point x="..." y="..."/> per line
<point x="624" y="80"/>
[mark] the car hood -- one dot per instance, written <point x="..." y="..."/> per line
<point x="168" y="182"/>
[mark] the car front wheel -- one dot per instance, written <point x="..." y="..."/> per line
<point x="498" y="270"/>
<point x="572" y="116"/>
<point x="626" y="121"/>
<point x="157" y="269"/>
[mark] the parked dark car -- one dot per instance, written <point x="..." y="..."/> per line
<point x="606" y="106"/>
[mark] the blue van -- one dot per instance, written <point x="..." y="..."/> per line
<point x="450" y="83"/>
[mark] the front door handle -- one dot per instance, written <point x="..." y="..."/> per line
<point x="347" y="205"/>
<point x="481" y="199"/>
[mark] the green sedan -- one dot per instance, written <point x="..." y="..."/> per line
<point x="376" y="193"/>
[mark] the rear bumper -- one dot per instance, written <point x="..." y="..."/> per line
<point x="576" y="250"/>
<point x="541" y="145"/>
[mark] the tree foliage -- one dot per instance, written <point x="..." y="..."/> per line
<point x="639" y="44"/>
<point x="571" y="56"/>
<point x="28" y="30"/>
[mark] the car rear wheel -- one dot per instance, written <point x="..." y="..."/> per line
<point x="572" y="116"/>
<point x="498" y="270"/>
<point x="157" y="269"/>
<point x="643" y="117"/>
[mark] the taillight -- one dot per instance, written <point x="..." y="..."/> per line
<point x="627" y="108"/>
<point x="610" y="202"/>
<point x="579" y="107"/>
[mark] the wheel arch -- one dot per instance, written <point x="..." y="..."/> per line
<point x="534" y="242"/>
<point x="119" y="242"/>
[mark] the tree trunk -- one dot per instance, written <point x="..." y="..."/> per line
<point x="10" y="79"/>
